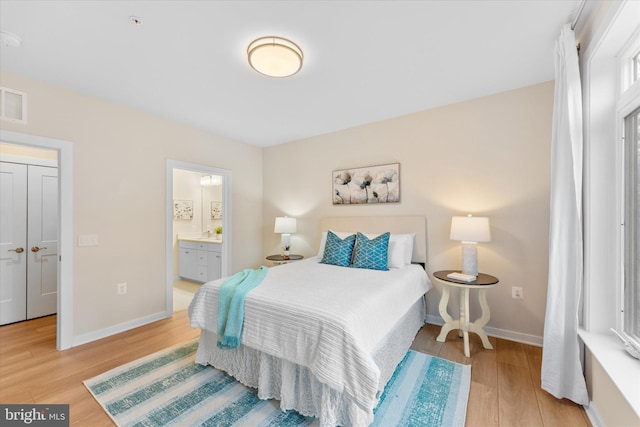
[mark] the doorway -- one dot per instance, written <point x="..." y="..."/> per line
<point x="200" y="211"/>
<point x="64" y="282"/>
<point x="197" y="233"/>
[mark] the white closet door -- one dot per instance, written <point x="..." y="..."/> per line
<point x="42" y="267"/>
<point x="13" y="242"/>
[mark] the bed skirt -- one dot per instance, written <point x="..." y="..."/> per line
<point x="297" y="388"/>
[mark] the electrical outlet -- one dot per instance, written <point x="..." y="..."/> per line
<point x="122" y="288"/>
<point x="516" y="293"/>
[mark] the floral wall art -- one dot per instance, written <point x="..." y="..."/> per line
<point x="216" y="210"/>
<point x="373" y="184"/>
<point x="183" y="209"/>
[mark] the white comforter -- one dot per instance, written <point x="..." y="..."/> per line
<point x="324" y="317"/>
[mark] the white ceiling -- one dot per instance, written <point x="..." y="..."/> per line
<point x="364" y="60"/>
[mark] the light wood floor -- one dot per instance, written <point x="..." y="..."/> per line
<point x="505" y="388"/>
<point x="505" y="382"/>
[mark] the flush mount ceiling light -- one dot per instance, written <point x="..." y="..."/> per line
<point x="275" y="56"/>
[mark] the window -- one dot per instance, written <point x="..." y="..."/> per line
<point x="610" y="97"/>
<point x="631" y="307"/>
<point x="628" y="106"/>
<point x="629" y="63"/>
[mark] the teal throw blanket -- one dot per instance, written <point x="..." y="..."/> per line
<point x="231" y="297"/>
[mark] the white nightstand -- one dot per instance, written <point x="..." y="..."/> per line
<point x="482" y="283"/>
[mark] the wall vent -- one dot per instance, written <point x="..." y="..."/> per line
<point x="13" y="105"/>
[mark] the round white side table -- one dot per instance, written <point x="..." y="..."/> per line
<point x="482" y="283"/>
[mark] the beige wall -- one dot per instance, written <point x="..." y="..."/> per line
<point x="612" y="408"/>
<point x="120" y="159"/>
<point x="488" y="156"/>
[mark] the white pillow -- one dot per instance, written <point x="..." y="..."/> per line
<point x="409" y="240"/>
<point x="400" y="247"/>
<point x="400" y="250"/>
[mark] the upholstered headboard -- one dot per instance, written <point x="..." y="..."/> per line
<point x="382" y="224"/>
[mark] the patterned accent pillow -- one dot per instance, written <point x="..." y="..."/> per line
<point x="371" y="254"/>
<point x="323" y="239"/>
<point x="338" y="251"/>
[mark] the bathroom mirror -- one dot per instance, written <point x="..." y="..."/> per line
<point x="211" y="206"/>
<point x="204" y="194"/>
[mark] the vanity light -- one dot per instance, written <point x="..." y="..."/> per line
<point x="209" y="180"/>
<point x="274" y="56"/>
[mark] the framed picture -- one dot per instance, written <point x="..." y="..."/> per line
<point x="373" y="184"/>
<point x="216" y="210"/>
<point x="183" y="209"/>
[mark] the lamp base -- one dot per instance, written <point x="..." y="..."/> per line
<point x="286" y="245"/>
<point x="469" y="258"/>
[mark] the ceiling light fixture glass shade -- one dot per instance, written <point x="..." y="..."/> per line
<point x="275" y="56"/>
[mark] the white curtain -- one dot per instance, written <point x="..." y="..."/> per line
<point x="562" y="374"/>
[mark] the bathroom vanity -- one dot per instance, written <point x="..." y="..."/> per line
<point x="200" y="259"/>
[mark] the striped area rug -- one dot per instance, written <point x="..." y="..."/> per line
<point x="169" y="389"/>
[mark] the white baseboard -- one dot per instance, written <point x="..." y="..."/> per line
<point x="498" y="333"/>
<point x="116" y="329"/>
<point x="593" y="415"/>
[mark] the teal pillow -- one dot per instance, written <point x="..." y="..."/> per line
<point x="371" y="254"/>
<point x="338" y="251"/>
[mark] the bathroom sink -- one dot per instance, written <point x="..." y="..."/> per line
<point x="204" y="239"/>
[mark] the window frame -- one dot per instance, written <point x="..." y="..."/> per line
<point x="627" y="63"/>
<point x="603" y="36"/>
<point x="627" y="101"/>
<point x="630" y="155"/>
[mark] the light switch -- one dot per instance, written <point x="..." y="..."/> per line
<point x="88" y="240"/>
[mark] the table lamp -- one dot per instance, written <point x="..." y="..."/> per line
<point x="470" y="230"/>
<point x="285" y="226"/>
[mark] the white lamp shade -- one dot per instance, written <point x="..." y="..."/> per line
<point x="285" y="225"/>
<point x="470" y="229"/>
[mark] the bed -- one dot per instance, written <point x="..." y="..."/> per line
<point x="325" y="339"/>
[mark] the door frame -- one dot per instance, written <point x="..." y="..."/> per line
<point x="226" y="219"/>
<point x="64" y="317"/>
